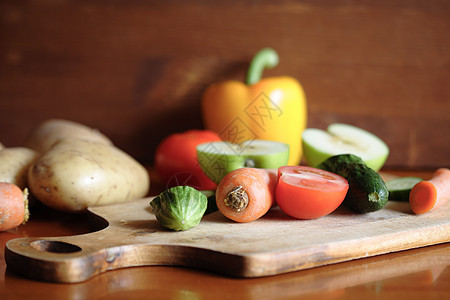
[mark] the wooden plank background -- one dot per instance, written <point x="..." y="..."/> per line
<point x="136" y="69"/>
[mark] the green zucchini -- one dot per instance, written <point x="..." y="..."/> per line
<point x="367" y="190"/>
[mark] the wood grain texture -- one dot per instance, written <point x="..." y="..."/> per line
<point x="274" y="244"/>
<point x="136" y="69"/>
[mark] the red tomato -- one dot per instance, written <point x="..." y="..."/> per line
<point x="176" y="159"/>
<point x="309" y="193"/>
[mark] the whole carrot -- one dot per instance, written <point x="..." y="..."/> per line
<point x="246" y="194"/>
<point x="13" y="206"/>
<point x="430" y="194"/>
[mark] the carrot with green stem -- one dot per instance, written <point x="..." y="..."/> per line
<point x="430" y="194"/>
<point x="13" y="206"/>
<point x="246" y="194"/>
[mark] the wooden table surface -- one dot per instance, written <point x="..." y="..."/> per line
<point x="421" y="273"/>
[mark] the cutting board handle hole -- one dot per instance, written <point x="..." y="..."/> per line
<point x="54" y="246"/>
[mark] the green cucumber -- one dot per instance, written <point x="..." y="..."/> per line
<point x="367" y="190"/>
<point x="335" y="162"/>
<point x="399" y="188"/>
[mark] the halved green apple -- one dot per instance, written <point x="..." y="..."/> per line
<point x="219" y="158"/>
<point x="318" y="145"/>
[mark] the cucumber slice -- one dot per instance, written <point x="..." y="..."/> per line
<point x="399" y="188"/>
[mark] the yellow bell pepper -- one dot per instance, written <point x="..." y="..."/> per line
<point x="269" y="109"/>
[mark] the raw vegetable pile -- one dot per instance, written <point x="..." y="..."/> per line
<point x="254" y="171"/>
<point x="245" y="162"/>
<point x="246" y="194"/>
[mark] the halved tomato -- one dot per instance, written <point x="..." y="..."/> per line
<point x="309" y="193"/>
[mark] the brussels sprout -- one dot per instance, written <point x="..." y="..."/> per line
<point x="179" y="208"/>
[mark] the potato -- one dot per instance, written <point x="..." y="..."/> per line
<point x="76" y="174"/>
<point x="14" y="164"/>
<point x="51" y="131"/>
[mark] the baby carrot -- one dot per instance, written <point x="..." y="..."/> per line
<point x="246" y="194"/>
<point x="13" y="206"/>
<point x="430" y="194"/>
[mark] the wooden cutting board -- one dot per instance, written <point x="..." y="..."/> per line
<point x="272" y="245"/>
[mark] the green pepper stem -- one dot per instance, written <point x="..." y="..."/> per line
<point x="265" y="58"/>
